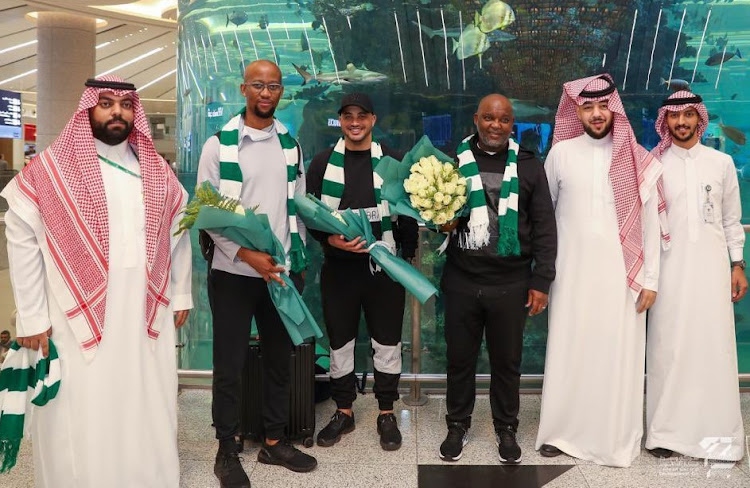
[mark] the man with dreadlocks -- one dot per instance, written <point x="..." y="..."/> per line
<point x="489" y="283"/>
<point x="693" y="406"/>
<point x="95" y="264"/>
<point x="603" y="186"/>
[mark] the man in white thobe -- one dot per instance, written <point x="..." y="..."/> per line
<point x="603" y="187"/>
<point x="692" y="394"/>
<point x="94" y="264"/>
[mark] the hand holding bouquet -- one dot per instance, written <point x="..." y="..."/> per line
<point x="436" y="190"/>
<point x="424" y="185"/>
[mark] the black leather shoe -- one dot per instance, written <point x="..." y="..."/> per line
<point x="339" y="425"/>
<point x="390" y="436"/>
<point x="284" y="454"/>
<point x="549" y="451"/>
<point x="660" y="452"/>
<point x="228" y="468"/>
<point x="507" y="446"/>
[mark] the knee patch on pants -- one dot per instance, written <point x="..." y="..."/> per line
<point x="342" y="360"/>
<point x="386" y="359"/>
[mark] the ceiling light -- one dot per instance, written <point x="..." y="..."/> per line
<point x="18" y="76"/>
<point x="17" y="46"/>
<point x="156" y="80"/>
<point x="134" y="60"/>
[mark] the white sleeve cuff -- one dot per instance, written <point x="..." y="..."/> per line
<point x="736" y="254"/>
<point x="182" y="302"/>
<point x="652" y="285"/>
<point x="32" y="325"/>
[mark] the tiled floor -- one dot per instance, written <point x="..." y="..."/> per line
<point x="358" y="461"/>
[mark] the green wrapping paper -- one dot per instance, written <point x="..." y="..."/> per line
<point x="394" y="172"/>
<point x="253" y="231"/>
<point x="317" y="215"/>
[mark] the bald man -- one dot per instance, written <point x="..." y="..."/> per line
<point x="251" y="165"/>
<point x="489" y="283"/>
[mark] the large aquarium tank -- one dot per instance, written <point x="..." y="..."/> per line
<point x="426" y="64"/>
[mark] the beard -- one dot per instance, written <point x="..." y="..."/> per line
<point x="110" y="136"/>
<point x="264" y="115"/>
<point x="676" y="136"/>
<point x="490" y="145"/>
<point x="602" y="134"/>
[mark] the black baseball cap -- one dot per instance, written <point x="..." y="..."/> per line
<point x="361" y="100"/>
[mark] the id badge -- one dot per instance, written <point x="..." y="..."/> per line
<point x="708" y="212"/>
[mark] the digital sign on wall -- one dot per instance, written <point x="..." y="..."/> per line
<point x="10" y="115"/>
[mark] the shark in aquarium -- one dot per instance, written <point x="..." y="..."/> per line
<point x="351" y="75"/>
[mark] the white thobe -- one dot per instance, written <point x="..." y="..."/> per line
<point x="692" y="395"/>
<point x="592" y="401"/>
<point x="114" y="421"/>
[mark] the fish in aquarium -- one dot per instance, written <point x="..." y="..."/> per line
<point x="734" y="134"/>
<point x="712" y="116"/>
<point x="311" y="92"/>
<point x="451" y="32"/>
<point x="495" y="15"/>
<point x="362" y="7"/>
<point x="676" y="84"/>
<point x="524" y="109"/>
<point x="263" y="21"/>
<point x="237" y="18"/>
<point x="716" y="59"/>
<point x="500" y="36"/>
<point x="474" y="42"/>
<point x="351" y="74"/>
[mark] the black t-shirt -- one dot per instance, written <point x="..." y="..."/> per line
<point x="359" y="192"/>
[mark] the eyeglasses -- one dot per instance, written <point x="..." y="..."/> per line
<point x="259" y="87"/>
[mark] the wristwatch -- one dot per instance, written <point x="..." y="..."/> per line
<point x="742" y="264"/>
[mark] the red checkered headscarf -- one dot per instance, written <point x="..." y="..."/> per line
<point x="64" y="183"/>
<point x="677" y="102"/>
<point x="633" y="171"/>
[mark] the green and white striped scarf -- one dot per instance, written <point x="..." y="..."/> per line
<point x="478" y="234"/>
<point x="20" y="383"/>
<point x="333" y="187"/>
<point x="230" y="175"/>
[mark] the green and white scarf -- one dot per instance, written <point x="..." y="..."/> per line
<point x="20" y="383"/>
<point x="478" y="234"/>
<point x="230" y="175"/>
<point x="333" y="187"/>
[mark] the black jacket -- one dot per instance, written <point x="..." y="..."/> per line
<point x="537" y="231"/>
<point x="359" y="193"/>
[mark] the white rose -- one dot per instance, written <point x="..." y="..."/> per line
<point x="414" y="168"/>
<point x="422" y="192"/>
<point x="457" y="204"/>
<point x="461" y="190"/>
<point x="441" y="218"/>
<point x="447" y="200"/>
<point x="450" y="215"/>
<point x="239" y="210"/>
<point x="427" y="214"/>
<point x="415" y="200"/>
<point x="438" y="196"/>
<point x="450" y="188"/>
<point x="425" y="203"/>
<point x="437" y="205"/>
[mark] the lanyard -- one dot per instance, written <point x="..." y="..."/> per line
<point x="121" y="168"/>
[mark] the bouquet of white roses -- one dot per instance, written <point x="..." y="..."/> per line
<point x="436" y="190"/>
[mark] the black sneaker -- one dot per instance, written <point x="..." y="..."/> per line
<point x="390" y="436"/>
<point x="507" y="447"/>
<point x="452" y="447"/>
<point x="283" y="453"/>
<point x="229" y="469"/>
<point x="339" y="425"/>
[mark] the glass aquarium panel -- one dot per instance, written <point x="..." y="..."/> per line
<point x="426" y="64"/>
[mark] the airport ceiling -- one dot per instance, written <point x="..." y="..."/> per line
<point x="138" y="42"/>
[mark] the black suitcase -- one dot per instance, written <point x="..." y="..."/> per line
<point x="301" y="425"/>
